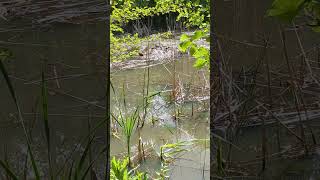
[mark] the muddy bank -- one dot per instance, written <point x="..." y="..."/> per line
<point x="154" y="53"/>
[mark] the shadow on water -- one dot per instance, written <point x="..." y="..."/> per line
<point x="240" y="43"/>
<point x="74" y="67"/>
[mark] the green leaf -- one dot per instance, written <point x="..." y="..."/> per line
<point x="201" y="52"/>
<point x="5" y="53"/>
<point x="193" y="49"/>
<point x="197" y="35"/>
<point x="44" y="97"/>
<point x="286" y="10"/>
<point x="200" y="63"/>
<point x="316" y="29"/>
<point x="184" y="46"/>
<point x="208" y="38"/>
<point x="184" y="38"/>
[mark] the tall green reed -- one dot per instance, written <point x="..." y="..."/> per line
<point x="127" y="124"/>
<point x="4" y="55"/>
<point x="44" y="95"/>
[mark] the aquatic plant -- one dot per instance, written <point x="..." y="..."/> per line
<point x="167" y="155"/>
<point x="169" y="151"/>
<point x="163" y="173"/>
<point x="119" y="171"/>
<point x="127" y="124"/>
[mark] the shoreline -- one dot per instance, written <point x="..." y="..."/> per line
<point x="154" y="53"/>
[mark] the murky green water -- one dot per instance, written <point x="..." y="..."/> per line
<point x="188" y="165"/>
<point x="75" y="72"/>
<point x="74" y="55"/>
<point x="242" y="32"/>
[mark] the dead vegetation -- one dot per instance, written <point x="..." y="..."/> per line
<point x="280" y="101"/>
<point x="54" y="11"/>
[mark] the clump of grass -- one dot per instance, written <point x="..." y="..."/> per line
<point x="168" y="151"/>
<point x="127" y="124"/>
<point x="119" y="171"/>
<point x="163" y="173"/>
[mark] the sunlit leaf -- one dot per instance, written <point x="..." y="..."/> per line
<point x="184" y="46"/>
<point x="200" y="63"/>
<point x="184" y="38"/>
<point x="198" y="35"/>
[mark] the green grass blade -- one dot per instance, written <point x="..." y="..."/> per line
<point x="82" y="159"/>
<point x="8" y="170"/>
<point x="70" y="171"/>
<point x="33" y="163"/>
<point x="12" y="92"/>
<point x="7" y="79"/>
<point x="91" y="163"/>
<point x="116" y="119"/>
<point x="99" y="124"/>
<point x="112" y="87"/>
<point x="44" y="96"/>
<point x="25" y="169"/>
<point x="124" y="97"/>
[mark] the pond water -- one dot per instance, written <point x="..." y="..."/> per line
<point x="76" y="94"/>
<point x="241" y="43"/>
<point x="74" y="68"/>
<point x="283" y="167"/>
<point x="75" y="54"/>
<point x="192" y="122"/>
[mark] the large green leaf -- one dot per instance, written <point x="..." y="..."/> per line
<point x="200" y="63"/>
<point x="201" y="52"/>
<point x="184" y="38"/>
<point x="184" y="46"/>
<point x="286" y="10"/>
<point x="198" y="35"/>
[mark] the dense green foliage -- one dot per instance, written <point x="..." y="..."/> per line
<point x="119" y="171"/>
<point x="200" y="53"/>
<point x="193" y="14"/>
